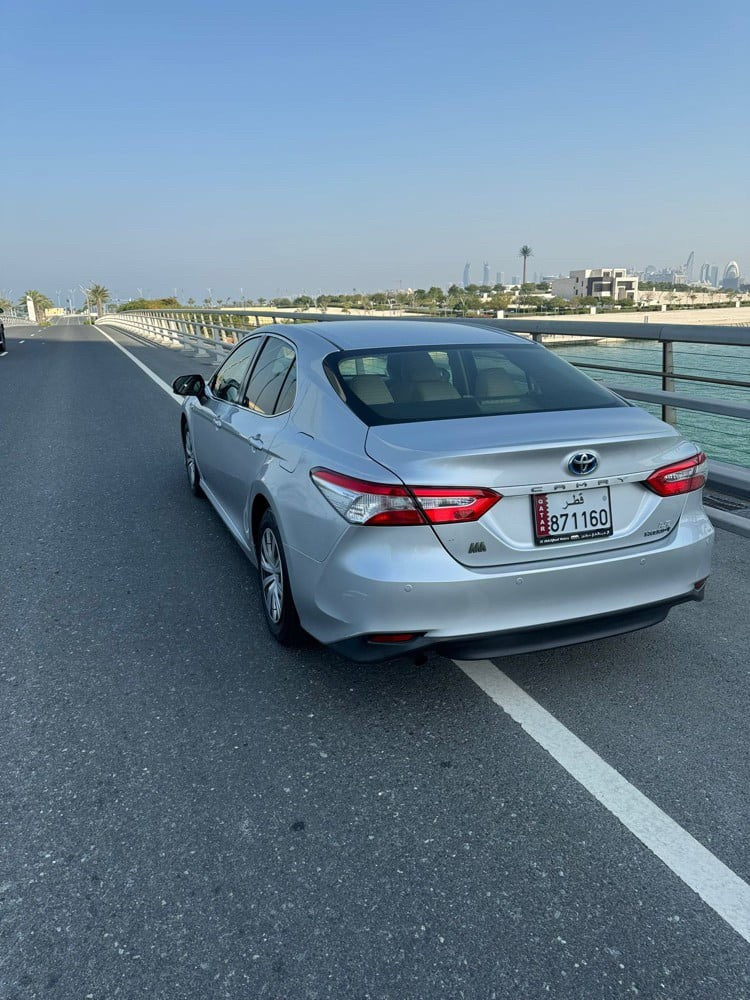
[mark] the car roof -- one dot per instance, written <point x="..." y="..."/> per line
<point x="352" y="335"/>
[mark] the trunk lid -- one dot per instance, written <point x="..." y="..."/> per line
<point x="523" y="456"/>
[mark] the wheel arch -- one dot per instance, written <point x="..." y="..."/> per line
<point x="261" y="504"/>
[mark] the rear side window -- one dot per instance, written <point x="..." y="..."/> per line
<point x="269" y="374"/>
<point x="288" y="391"/>
<point x="229" y="378"/>
<point x="404" y="385"/>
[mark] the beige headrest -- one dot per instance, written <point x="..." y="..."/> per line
<point x="371" y="389"/>
<point x="495" y="382"/>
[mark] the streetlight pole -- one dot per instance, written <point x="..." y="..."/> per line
<point x="88" y="301"/>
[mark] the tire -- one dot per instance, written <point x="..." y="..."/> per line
<point x="191" y="466"/>
<point x="3" y="348"/>
<point x="275" y="591"/>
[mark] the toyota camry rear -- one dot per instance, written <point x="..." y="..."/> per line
<point x="467" y="490"/>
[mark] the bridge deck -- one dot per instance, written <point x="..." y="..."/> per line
<point x="190" y="810"/>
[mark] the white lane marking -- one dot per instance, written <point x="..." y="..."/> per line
<point x="144" y="368"/>
<point x="699" y="869"/>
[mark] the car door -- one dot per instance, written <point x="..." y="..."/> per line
<point x="213" y="414"/>
<point x="250" y="428"/>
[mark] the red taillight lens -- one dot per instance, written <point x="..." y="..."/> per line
<point x="443" y="506"/>
<point x="362" y="502"/>
<point x="682" y="477"/>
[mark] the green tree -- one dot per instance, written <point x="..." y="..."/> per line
<point x="586" y="300"/>
<point x="5" y="303"/>
<point x="556" y="304"/>
<point x="41" y="303"/>
<point x="500" y="300"/>
<point x="99" y="295"/>
<point x="170" y="302"/>
<point x="525" y="252"/>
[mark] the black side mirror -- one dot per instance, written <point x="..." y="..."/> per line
<point x="189" y="385"/>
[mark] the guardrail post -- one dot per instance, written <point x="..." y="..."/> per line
<point x="668" y="413"/>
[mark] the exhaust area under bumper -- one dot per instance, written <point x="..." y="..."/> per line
<point x="525" y="640"/>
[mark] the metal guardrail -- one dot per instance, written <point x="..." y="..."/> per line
<point x="211" y="333"/>
<point x="16" y="321"/>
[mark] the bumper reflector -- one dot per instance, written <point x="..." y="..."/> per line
<point x="395" y="637"/>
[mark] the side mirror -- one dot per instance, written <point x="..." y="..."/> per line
<point x="189" y="385"/>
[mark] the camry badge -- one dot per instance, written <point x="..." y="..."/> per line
<point x="583" y="463"/>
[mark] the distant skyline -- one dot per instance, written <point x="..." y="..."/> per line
<point x="291" y="148"/>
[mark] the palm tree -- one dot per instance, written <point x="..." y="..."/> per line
<point x="100" y="295"/>
<point x="525" y="252"/>
<point x="41" y="302"/>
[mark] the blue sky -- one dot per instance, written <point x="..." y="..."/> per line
<point x="288" y="146"/>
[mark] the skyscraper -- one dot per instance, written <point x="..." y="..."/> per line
<point x="688" y="268"/>
<point x="467" y="275"/>
<point x="485" y="273"/>
<point x="499" y="278"/>
<point x="709" y="274"/>
<point x="731" y="278"/>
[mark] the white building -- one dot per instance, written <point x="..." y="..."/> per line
<point x="602" y="283"/>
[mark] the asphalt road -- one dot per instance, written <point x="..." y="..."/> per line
<point x="190" y="811"/>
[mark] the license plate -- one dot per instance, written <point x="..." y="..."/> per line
<point x="572" y="516"/>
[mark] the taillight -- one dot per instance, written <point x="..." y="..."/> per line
<point x="682" y="477"/>
<point x="442" y="505"/>
<point x="362" y="502"/>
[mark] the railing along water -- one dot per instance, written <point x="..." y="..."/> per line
<point x="210" y="333"/>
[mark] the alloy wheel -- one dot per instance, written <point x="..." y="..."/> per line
<point x="189" y="458"/>
<point x="271" y="575"/>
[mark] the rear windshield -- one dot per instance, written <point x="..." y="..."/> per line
<point x="409" y="384"/>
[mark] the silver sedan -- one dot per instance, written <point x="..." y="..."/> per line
<point x="405" y="485"/>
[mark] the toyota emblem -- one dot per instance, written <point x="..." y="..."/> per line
<point x="583" y="463"/>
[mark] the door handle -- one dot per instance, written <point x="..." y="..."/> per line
<point x="257" y="440"/>
<point x="217" y="422"/>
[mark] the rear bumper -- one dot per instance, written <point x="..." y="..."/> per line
<point x="401" y="580"/>
<point x="528" y="640"/>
